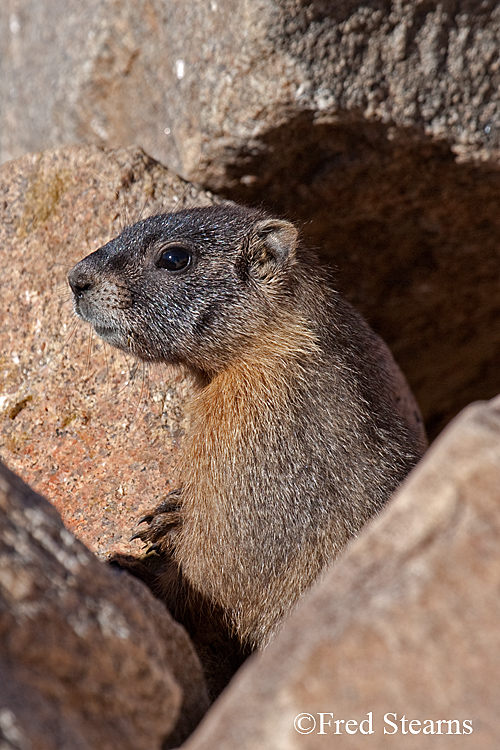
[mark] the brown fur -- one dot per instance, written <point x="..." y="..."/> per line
<point x="298" y="432"/>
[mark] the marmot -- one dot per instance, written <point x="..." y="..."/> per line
<point x="301" y="425"/>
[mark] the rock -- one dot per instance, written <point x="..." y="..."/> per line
<point x="372" y="126"/>
<point x="193" y="82"/>
<point x="88" y="657"/>
<point x="82" y="424"/>
<point x="404" y="625"/>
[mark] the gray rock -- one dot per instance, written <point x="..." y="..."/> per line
<point x="190" y="82"/>
<point x="88" y="657"/>
<point x="405" y="624"/>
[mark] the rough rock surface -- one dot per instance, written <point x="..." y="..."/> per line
<point x="81" y="423"/>
<point x="406" y="623"/>
<point x="190" y="80"/>
<point x="345" y="116"/>
<point x="89" y="659"/>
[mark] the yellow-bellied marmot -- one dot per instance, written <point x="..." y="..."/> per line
<point x="301" y="425"/>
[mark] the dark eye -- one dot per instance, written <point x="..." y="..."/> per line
<point x="174" y="258"/>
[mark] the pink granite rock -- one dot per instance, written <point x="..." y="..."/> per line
<point x="92" y="430"/>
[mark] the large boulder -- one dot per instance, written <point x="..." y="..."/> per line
<point x="195" y="83"/>
<point x="89" y="659"/>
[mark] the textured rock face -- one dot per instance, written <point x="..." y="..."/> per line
<point x="406" y="623"/>
<point x="215" y="75"/>
<point x="345" y="117"/>
<point x="81" y="423"/>
<point x="88" y="657"/>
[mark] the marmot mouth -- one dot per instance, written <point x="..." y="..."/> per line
<point x="102" y="330"/>
<point x="110" y="334"/>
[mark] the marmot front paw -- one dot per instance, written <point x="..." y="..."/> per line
<point x="163" y="521"/>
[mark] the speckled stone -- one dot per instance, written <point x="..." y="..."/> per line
<point x="86" y="426"/>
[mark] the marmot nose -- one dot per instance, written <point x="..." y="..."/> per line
<point x="79" y="280"/>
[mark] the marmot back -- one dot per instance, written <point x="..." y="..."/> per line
<point x="301" y="425"/>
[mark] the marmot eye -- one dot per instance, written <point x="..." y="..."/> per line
<point x="174" y="258"/>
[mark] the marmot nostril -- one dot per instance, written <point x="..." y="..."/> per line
<point x="79" y="281"/>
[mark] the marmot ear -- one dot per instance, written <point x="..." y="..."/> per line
<point x="273" y="246"/>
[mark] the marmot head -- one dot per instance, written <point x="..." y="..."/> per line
<point x="191" y="287"/>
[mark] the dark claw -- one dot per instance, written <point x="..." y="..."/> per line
<point x="138" y="535"/>
<point x="161" y="521"/>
